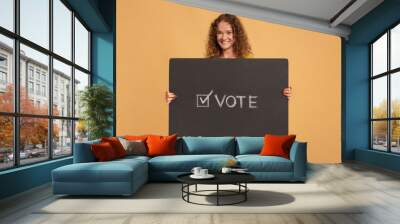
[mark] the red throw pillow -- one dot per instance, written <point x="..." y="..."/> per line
<point x="116" y="145"/>
<point x="103" y="152"/>
<point x="277" y="145"/>
<point x="161" y="145"/>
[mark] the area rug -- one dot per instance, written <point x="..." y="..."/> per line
<point x="167" y="198"/>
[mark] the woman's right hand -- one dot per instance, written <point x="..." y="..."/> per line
<point x="169" y="97"/>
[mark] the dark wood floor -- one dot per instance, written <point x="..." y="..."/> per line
<point x="356" y="183"/>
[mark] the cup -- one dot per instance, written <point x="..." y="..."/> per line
<point x="226" y="170"/>
<point x="203" y="172"/>
<point x="196" y="171"/>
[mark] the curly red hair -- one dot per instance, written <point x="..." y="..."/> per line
<point x="241" y="46"/>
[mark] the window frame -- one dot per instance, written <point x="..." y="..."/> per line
<point x="388" y="74"/>
<point x="16" y="115"/>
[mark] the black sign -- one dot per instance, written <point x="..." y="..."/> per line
<point x="228" y="97"/>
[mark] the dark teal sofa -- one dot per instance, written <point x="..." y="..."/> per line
<point x="125" y="176"/>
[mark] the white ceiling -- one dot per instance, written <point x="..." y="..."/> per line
<point x="315" y="15"/>
<point x="319" y="9"/>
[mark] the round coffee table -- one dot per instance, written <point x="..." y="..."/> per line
<point x="238" y="179"/>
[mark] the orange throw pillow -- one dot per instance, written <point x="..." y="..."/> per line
<point x="277" y="145"/>
<point x="161" y="145"/>
<point x="116" y="145"/>
<point x="136" y="138"/>
<point x="103" y="152"/>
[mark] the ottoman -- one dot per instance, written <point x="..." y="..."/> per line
<point x="118" y="177"/>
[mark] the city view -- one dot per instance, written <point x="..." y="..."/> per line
<point x="34" y="100"/>
<point x="47" y="108"/>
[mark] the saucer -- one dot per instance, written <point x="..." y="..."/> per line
<point x="208" y="176"/>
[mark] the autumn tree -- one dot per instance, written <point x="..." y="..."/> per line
<point x="33" y="131"/>
<point x="380" y="127"/>
<point x="6" y="122"/>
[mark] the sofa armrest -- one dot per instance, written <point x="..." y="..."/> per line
<point x="298" y="155"/>
<point x="83" y="152"/>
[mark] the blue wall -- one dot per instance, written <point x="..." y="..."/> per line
<point x="100" y="16"/>
<point x="24" y="178"/>
<point x="103" y="63"/>
<point x="103" y="46"/>
<point x="356" y="82"/>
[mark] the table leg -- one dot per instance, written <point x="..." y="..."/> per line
<point x="245" y="193"/>
<point x="217" y="194"/>
<point x="188" y="189"/>
<point x="196" y="188"/>
<point x="182" y="189"/>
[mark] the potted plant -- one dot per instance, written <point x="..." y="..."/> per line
<point x="96" y="102"/>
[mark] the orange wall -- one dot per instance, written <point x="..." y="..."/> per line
<point x="151" y="32"/>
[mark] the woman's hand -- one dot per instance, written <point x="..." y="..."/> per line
<point x="169" y="97"/>
<point x="287" y="92"/>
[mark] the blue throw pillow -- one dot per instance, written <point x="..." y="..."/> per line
<point x="249" y="145"/>
<point x="208" y="145"/>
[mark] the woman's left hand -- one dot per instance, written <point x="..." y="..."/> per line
<point x="287" y="92"/>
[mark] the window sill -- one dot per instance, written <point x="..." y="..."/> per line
<point x="26" y="167"/>
<point x="382" y="159"/>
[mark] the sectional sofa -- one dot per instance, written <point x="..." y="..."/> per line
<point x="125" y="176"/>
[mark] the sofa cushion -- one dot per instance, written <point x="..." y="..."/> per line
<point x="134" y="147"/>
<point x="277" y="145"/>
<point x="103" y="152"/>
<point x="257" y="163"/>
<point x="136" y="137"/>
<point x="208" y="145"/>
<point x="133" y="158"/>
<point x="161" y="145"/>
<point x="249" y="145"/>
<point x="83" y="152"/>
<point x="116" y="145"/>
<point x="111" y="171"/>
<point x="185" y="163"/>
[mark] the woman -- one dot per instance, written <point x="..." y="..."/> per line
<point x="227" y="39"/>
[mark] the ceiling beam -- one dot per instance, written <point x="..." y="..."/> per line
<point x="269" y="15"/>
<point x="346" y="12"/>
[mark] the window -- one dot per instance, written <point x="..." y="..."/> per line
<point x="37" y="89"/>
<point x="62" y="29"/>
<point x="37" y="74"/>
<point x="3" y="78"/>
<point x="6" y="73"/>
<point x="81" y="45"/>
<point x="81" y="81"/>
<point x="44" y="91"/>
<point x="7" y="14"/>
<point x="48" y="79"/>
<point x="30" y="72"/>
<point x="3" y="61"/>
<point x="30" y="87"/>
<point x="62" y="74"/>
<point x="35" y="21"/>
<point x="385" y="91"/>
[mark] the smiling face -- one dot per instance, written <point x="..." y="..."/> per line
<point x="225" y="35"/>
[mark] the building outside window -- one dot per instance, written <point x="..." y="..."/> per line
<point x="35" y="71"/>
<point x="30" y="87"/>
<point x="385" y="91"/>
<point x="30" y="72"/>
<point x="38" y="89"/>
<point x="3" y="60"/>
<point x="37" y="75"/>
<point x="44" y="77"/>
<point x="3" y="72"/>
<point x="43" y="90"/>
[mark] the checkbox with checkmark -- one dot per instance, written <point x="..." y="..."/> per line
<point x="203" y="100"/>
